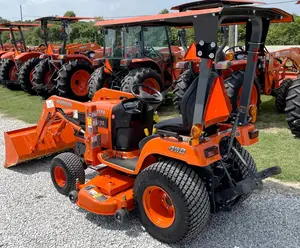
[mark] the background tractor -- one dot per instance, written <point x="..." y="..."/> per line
<point x="68" y="70"/>
<point x="135" y="54"/>
<point x="273" y="74"/>
<point x="176" y="174"/>
<point x="12" y="61"/>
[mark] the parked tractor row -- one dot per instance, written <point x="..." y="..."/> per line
<point x="49" y="69"/>
<point x="175" y="172"/>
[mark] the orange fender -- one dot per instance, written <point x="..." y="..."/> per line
<point x="8" y="55"/>
<point x="77" y="56"/>
<point x="27" y="55"/>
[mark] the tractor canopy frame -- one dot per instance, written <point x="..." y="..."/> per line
<point x="65" y="22"/>
<point x="13" y="27"/>
<point x="5" y="30"/>
<point x="222" y="14"/>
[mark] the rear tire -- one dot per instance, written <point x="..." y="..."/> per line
<point x="233" y="85"/>
<point x="181" y="86"/>
<point x="97" y="81"/>
<point x="6" y="76"/>
<point x="244" y="170"/>
<point x="65" y="169"/>
<point x="185" y="194"/>
<point x="41" y="78"/>
<point x="140" y="76"/>
<point x="25" y="76"/>
<point x="73" y="78"/>
<point x="293" y="108"/>
<point x="281" y="94"/>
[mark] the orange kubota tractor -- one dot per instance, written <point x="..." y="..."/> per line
<point x="67" y="71"/>
<point x="135" y="53"/>
<point x="271" y="71"/>
<point x="176" y="174"/>
<point x="275" y="74"/>
<point x="12" y="61"/>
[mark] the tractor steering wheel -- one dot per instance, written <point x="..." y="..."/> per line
<point x="144" y="96"/>
<point x="235" y="51"/>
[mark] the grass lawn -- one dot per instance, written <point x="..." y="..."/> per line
<point x="276" y="147"/>
<point x="20" y="105"/>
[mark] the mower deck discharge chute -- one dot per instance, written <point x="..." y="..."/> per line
<point x="177" y="173"/>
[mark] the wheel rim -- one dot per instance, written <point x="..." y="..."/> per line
<point x="31" y="76"/>
<point x="158" y="206"/>
<point x="79" y="82"/>
<point x="60" y="176"/>
<point x="152" y="83"/>
<point x="254" y="96"/>
<point x="12" y="73"/>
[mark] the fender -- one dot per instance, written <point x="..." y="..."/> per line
<point x="27" y="55"/>
<point x="2" y="52"/>
<point x="70" y="57"/>
<point x="136" y="63"/>
<point x="193" y="155"/>
<point x="8" y="55"/>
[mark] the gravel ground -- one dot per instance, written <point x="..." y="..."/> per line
<point x="33" y="214"/>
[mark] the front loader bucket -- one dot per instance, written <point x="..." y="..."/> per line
<point x="22" y="146"/>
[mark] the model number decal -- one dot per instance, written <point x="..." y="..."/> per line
<point x="177" y="149"/>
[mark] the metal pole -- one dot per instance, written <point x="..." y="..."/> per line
<point x="231" y="36"/>
<point x="21" y="13"/>
<point x="236" y="35"/>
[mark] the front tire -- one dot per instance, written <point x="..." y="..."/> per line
<point x="73" y="78"/>
<point x="172" y="201"/>
<point x="142" y="76"/>
<point x="65" y="169"/>
<point x="98" y="81"/>
<point x="26" y="75"/>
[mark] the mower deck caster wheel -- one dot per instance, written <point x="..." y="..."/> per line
<point x="121" y="216"/>
<point x="73" y="196"/>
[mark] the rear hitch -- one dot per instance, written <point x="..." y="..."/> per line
<point x="246" y="186"/>
<point x="269" y="172"/>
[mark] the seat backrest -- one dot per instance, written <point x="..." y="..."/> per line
<point x="189" y="100"/>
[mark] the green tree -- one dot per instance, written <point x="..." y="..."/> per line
<point x="164" y="11"/>
<point x="70" y="13"/>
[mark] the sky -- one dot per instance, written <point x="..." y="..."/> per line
<point x="107" y="8"/>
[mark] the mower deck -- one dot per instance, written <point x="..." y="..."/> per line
<point x="106" y="193"/>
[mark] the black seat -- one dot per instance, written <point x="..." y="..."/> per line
<point x="184" y="123"/>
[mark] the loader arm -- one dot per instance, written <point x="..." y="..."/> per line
<point x="54" y="132"/>
<point x="57" y="130"/>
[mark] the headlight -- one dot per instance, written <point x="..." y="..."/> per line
<point x="92" y="55"/>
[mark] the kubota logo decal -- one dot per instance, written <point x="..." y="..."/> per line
<point x="64" y="103"/>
